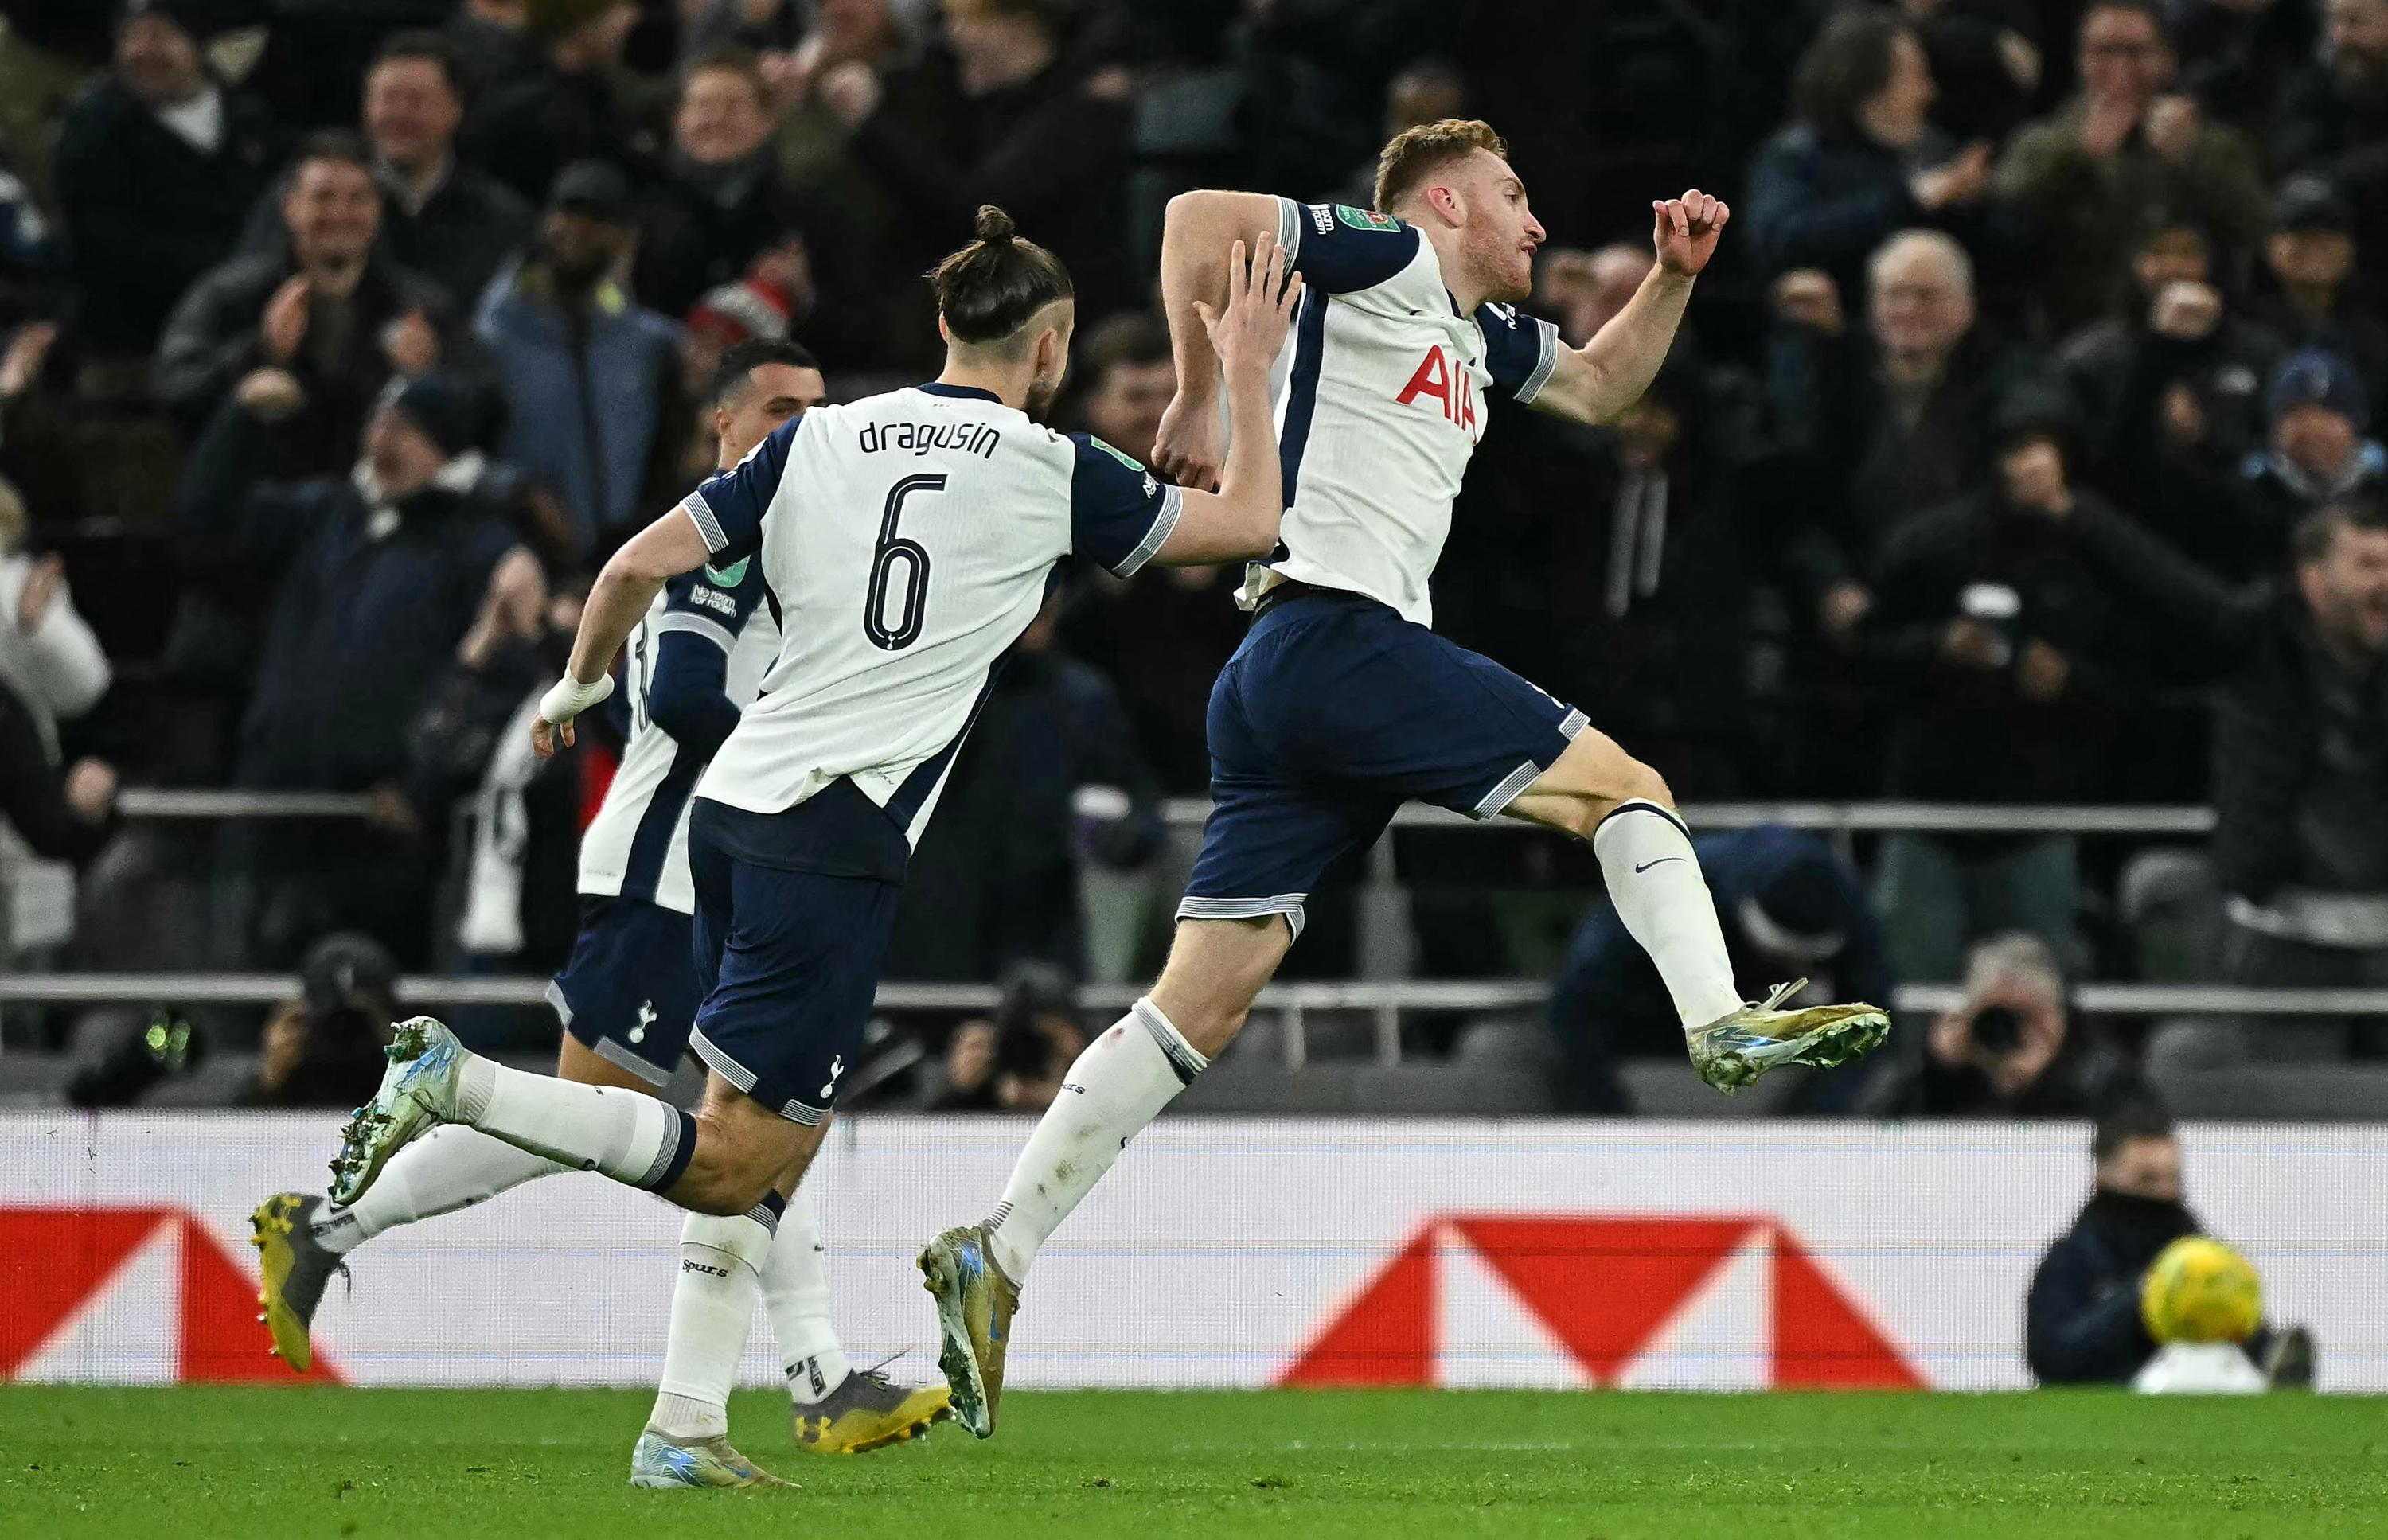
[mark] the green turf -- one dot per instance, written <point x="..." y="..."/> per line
<point x="168" y="1464"/>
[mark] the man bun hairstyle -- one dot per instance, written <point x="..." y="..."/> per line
<point x="1418" y="152"/>
<point x="992" y="288"/>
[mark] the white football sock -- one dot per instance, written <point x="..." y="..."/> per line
<point x="451" y="1167"/>
<point x="796" y="1297"/>
<point x="624" y="1134"/>
<point x="1655" y="881"/>
<point x="1119" y="1084"/>
<point x="713" y="1303"/>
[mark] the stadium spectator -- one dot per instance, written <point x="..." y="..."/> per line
<point x="370" y="576"/>
<point x="1790" y="908"/>
<point x="2333" y="114"/>
<point x="2176" y="370"/>
<point x="491" y="46"/>
<point x="1876" y="426"/>
<point x="723" y="204"/>
<point x="2128" y="150"/>
<point x="61" y="818"/>
<point x="1581" y="291"/>
<point x="2236" y="521"/>
<point x="2008" y="1049"/>
<point x="1424" y="92"/>
<point x="323" y="1048"/>
<point x="592" y="379"/>
<point x="552" y="102"/>
<point x="2013" y="666"/>
<point x="1164" y="634"/>
<point x="1986" y="71"/>
<point x="1862" y="160"/>
<point x="2310" y="296"/>
<point x="1000" y="115"/>
<point x="54" y="665"/>
<point x="1013" y="1061"/>
<point x="1048" y="778"/>
<point x="326" y="310"/>
<point x="32" y="257"/>
<point x="2301" y="800"/>
<point x="2082" y="1320"/>
<point x="157" y="168"/>
<point x="448" y="220"/>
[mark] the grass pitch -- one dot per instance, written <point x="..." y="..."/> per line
<point x="203" y="1463"/>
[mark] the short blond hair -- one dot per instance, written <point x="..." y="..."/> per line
<point x="1418" y="152"/>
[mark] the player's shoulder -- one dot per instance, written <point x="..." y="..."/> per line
<point x="1331" y="219"/>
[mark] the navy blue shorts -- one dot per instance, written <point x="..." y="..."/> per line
<point x="788" y="962"/>
<point x="1333" y="712"/>
<point x="628" y="990"/>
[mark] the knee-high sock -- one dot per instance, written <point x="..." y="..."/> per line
<point x="625" y="1134"/>
<point x="451" y="1167"/>
<point x="1119" y="1084"/>
<point x="1654" y="878"/>
<point x="713" y="1303"/>
<point x="796" y="1297"/>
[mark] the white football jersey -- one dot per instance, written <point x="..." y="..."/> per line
<point x="908" y="540"/>
<point x="702" y="648"/>
<point x="1383" y="404"/>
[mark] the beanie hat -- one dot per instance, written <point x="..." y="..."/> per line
<point x="2312" y="376"/>
<point x="443" y="406"/>
<point x="738" y="312"/>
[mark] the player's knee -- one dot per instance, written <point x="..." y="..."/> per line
<point x="1642" y="784"/>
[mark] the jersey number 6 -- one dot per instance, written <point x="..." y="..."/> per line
<point x="892" y="550"/>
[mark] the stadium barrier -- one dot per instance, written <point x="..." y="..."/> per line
<point x="1290" y="1003"/>
<point x="1520" y="1254"/>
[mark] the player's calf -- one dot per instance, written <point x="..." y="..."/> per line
<point x="744" y="1153"/>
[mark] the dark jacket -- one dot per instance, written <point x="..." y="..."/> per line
<point x="594" y="399"/>
<point x="1609" y="1001"/>
<point x="2075" y="1084"/>
<point x="146" y="213"/>
<point x="367" y="607"/>
<point x="1852" y="471"/>
<point x="995" y="880"/>
<point x="1967" y="734"/>
<point x="2235" y="517"/>
<point x="33" y="802"/>
<point x="1053" y="156"/>
<point x="216" y="336"/>
<point x="2082" y="1323"/>
<point x="532" y="123"/>
<point x="2120" y="370"/>
<point x="2095" y="210"/>
<point x="2300" y="765"/>
<point x="1164" y="643"/>
<point x="470" y="226"/>
<point x="1820" y="200"/>
<point x="702" y="229"/>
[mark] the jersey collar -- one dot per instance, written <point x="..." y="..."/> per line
<point x="963" y="392"/>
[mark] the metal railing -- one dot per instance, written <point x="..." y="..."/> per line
<point x="1290" y="1003"/>
<point x="1844" y="818"/>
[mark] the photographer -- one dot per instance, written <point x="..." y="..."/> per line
<point x="2006" y="1050"/>
<point x="1015" y="1062"/>
<point x="323" y="1048"/>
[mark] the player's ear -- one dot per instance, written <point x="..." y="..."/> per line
<point x="945" y="333"/>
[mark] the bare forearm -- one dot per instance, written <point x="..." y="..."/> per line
<point x="1253" y="483"/>
<point x="618" y="598"/>
<point x="1193" y="265"/>
<point x="1610" y="373"/>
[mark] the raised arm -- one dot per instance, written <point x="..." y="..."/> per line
<point x="1598" y="381"/>
<point x="628" y="584"/>
<point x="1239" y="521"/>
<point x="1195" y="237"/>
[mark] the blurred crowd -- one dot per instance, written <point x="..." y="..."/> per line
<point x="2018" y="450"/>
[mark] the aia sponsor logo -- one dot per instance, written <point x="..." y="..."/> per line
<point x="1441" y="380"/>
<point x="1692" y="1303"/>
